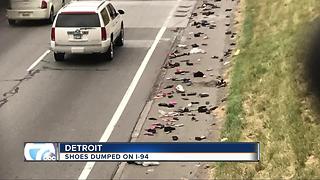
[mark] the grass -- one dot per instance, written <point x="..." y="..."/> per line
<point x="268" y="101"/>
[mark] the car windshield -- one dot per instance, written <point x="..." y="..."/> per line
<point x="78" y="20"/>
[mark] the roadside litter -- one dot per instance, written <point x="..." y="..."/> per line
<point x="197" y="51"/>
<point x="200" y="138"/>
<point x="145" y="164"/>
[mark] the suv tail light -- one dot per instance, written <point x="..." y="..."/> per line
<point x="53" y="34"/>
<point x="103" y="34"/>
<point x="44" y="4"/>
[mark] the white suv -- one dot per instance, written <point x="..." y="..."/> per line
<point x="33" y="9"/>
<point x="86" y="27"/>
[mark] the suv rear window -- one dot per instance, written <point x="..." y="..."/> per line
<point x="78" y="20"/>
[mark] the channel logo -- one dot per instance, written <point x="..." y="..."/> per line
<point x="40" y="152"/>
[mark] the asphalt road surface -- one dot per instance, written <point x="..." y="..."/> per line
<point x="76" y="99"/>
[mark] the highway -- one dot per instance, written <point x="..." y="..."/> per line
<point x="75" y="100"/>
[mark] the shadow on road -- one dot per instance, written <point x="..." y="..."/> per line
<point x="85" y="60"/>
<point x="31" y="23"/>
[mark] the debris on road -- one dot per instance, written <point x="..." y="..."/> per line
<point x="175" y="138"/>
<point x="187" y="99"/>
<point x="145" y="164"/>
<point x="200" y="138"/>
<point x="224" y="139"/>
<point x="197" y="51"/>
<point x="180" y="89"/>
<point x="204" y="95"/>
<point x="237" y="52"/>
<point x="198" y="74"/>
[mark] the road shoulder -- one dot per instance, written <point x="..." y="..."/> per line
<point x="197" y="111"/>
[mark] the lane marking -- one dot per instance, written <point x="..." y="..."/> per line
<point x="38" y="60"/>
<point x="116" y="116"/>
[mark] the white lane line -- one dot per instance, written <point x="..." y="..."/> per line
<point x="38" y="60"/>
<point x="116" y="116"/>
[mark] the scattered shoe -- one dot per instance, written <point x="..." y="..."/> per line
<point x="198" y="74"/>
<point x="200" y="138"/>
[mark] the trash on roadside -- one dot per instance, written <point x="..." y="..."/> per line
<point x="224" y="139"/>
<point x="158" y="125"/>
<point x="198" y="74"/>
<point x="182" y="110"/>
<point x="212" y="26"/>
<point x="203" y="95"/>
<point x="148" y="134"/>
<point x="226" y="63"/>
<point x="175" y="138"/>
<point x="166" y="105"/>
<point x="202" y="109"/>
<point x="207" y="13"/>
<point x="145" y="164"/>
<point x="182" y="46"/>
<point x="213" y="108"/>
<point x="197" y="51"/>
<point x="179" y="125"/>
<point x="180" y="89"/>
<point x="197" y="34"/>
<point x="191" y="94"/>
<point x="237" y="52"/>
<point x="194" y="119"/>
<point x="167" y="114"/>
<point x="189" y="63"/>
<point x="168" y="87"/>
<point x="173" y="65"/>
<point x="200" y="138"/>
<point x="175" y="55"/>
<point x="194" y="45"/>
<point x="173" y="102"/>
<point x="151" y="130"/>
<point x="169" y="129"/>
<point x="221" y="83"/>
<point x="179" y="71"/>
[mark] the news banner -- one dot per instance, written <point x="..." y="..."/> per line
<point x="174" y="152"/>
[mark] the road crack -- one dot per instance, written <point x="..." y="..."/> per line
<point x="15" y="89"/>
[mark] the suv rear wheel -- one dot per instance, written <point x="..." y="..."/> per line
<point x="11" y="22"/>
<point x="110" y="52"/>
<point x="59" y="56"/>
<point x="120" y="39"/>
<point x="51" y="18"/>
